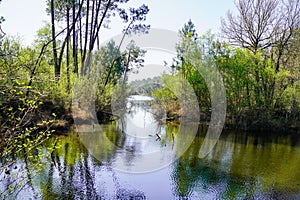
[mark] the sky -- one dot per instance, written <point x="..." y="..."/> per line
<point x="25" y="17"/>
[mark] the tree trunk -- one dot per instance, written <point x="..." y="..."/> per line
<point x="75" y="59"/>
<point x="56" y="64"/>
<point x="83" y="56"/>
<point x="67" y="53"/>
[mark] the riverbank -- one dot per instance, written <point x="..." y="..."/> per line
<point x="64" y="120"/>
<point x="253" y="121"/>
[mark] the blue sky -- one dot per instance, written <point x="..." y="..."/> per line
<point x="25" y="17"/>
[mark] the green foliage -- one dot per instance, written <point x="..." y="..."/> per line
<point x="107" y="64"/>
<point x="193" y="58"/>
<point x="274" y="57"/>
<point x="146" y="86"/>
<point x="256" y="92"/>
<point x="23" y="124"/>
<point x="22" y="130"/>
<point x="132" y="58"/>
<point x="32" y="87"/>
<point x="259" y="94"/>
<point x="109" y="67"/>
<point x="165" y="96"/>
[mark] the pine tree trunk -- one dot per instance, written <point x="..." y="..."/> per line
<point x="55" y="58"/>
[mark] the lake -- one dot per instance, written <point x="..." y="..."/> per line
<point x="139" y="157"/>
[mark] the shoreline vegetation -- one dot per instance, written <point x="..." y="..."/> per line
<point x="259" y="65"/>
<point x="257" y="59"/>
<point x="257" y="55"/>
<point x="65" y="121"/>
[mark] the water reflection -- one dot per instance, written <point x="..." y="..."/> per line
<point x="243" y="166"/>
<point x="240" y="166"/>
<point x="138" y="142"/>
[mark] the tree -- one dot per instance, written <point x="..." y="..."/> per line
<point x="192" y="53"/>
<point x="85" y="18"/>
<point x="54" y="48"/>
<point x="23" y="125"/>
<point x="132" y="58"/>
<point x="186" y="46"/>
<point x="266" y="28"/>
<point x="266" y="25"/>
<point x="102" y="60"/>
<point x="109" y="65"/>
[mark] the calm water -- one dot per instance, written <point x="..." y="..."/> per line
<point x="139" y="158"/>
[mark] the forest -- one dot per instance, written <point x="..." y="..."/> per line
<point x="257" y="56"/>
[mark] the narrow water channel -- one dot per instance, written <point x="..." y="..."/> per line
<point x="138" y="157"/>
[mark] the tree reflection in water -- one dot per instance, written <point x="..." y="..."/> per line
<point x="240" y="166"/>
